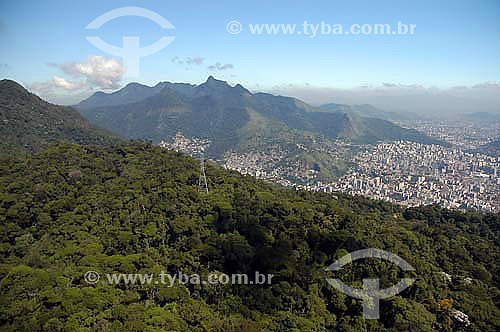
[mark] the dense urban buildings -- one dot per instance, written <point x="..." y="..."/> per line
<point x="407" y="173"/>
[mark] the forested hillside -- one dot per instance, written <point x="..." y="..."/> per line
<point x="232" y="117"/>
<point x="136" y="208"/>
<point x="28" y="123"/>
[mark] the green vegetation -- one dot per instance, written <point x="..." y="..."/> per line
<point x="230" y="116"/>
<point x="27" y="123"/>
<point x="136" y="208"/>
<point x="326" y="165"/>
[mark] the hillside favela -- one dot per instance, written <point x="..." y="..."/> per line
<point x="462" y="172"/>
<point x="232" y="166"/>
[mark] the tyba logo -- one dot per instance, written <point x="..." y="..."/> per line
<point x="131" y="52"/>
<point x="370" y="293"/>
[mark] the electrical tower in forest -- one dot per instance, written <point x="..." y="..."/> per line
<point x="202" y="182"/>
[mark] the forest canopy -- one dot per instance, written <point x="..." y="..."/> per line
<point x="136" y="208"/>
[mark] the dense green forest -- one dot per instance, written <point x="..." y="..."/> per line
<point x="136" y="208"/>
<point x="28" y="123"/>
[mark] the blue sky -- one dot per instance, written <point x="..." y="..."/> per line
<point x="456" y="43"/>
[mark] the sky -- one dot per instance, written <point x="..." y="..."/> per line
<point x="451" y="60"/>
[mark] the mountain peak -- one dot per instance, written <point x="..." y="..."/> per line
<point x="135" y="85"/>
<point x="12" y="86"/>
<point x="12" y="93"/>
<point x="214" y="84"/>
<point x="211" y="81"/>
<point x="7" y="82"/>
<point x="30" y="123"/>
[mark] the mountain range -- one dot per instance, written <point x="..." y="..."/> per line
<point x="481" y="117"/>
<point x="135" y="209"/>
<point x="28" y="123"/>
<point x="232" y="117"/>
<point x="366" y="110"/>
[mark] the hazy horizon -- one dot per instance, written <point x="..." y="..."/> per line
<point x="414" y="99"/>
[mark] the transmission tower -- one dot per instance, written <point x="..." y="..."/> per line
<point x="202" y="181"/>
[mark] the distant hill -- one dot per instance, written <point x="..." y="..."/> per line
<point x="482" y="116"/>
<point x="366" y="110"/>
<point x="131" y="93"/>
<point x="27" y="123"/>
<point x="230" y="116"/>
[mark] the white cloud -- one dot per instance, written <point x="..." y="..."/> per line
<point x="57" y="82"/>
<point x="194" y="61"/>
<point x="86" y="77"/>
<point x="188" y="62"/>
<point x="98" y="71"/>
<point x="67" y="85"/>
<point x="197" y="61"/>
<point x="218" y="66"/>
<point x="177" y="60"/>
